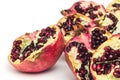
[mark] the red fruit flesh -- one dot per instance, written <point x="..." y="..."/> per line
<point x="79" y="49"/>
<point x="105" y="62"/>
<point x="88" y="8"/>
<point x="37" y="51"/>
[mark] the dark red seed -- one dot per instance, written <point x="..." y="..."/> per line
<point x="94" y="66"/>
<point x="98" y="68"/>
<point x="116" y="73"/>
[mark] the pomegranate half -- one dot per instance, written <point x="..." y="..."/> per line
<point x="79" y="49"/>
<point x="37" y="51"/>
<point x="105" y="62"/>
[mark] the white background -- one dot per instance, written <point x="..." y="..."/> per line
<point x="20" y="16"/>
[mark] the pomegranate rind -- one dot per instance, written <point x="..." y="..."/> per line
<point x="42" y="59"/>
<point x="113" y="42"/>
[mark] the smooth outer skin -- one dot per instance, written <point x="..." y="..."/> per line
<point x="44" y="59"/>
<point x="114" y="42"/>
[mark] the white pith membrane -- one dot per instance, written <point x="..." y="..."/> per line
<point x="114" y="43"/>
<point x="99" y="13"/>
<point x="84" y="21"/>
<point x="28" y="38"/>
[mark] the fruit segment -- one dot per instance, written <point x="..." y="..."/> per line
<point x="37" y="51"/>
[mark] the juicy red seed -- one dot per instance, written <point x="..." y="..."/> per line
<point x="108" y="48"/>
<point x="96" y="7"/>
<point x="99" y="59"/>
<point x="94" y="60"/>
<point x="104" y="58"/>
<point x="98" y="67"/>
<point x="94" y="66"/>
<point x="116" y="73"/>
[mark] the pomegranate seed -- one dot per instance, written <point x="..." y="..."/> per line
<point x="94" y="66"/>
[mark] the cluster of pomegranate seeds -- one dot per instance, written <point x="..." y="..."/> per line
<point x="110" y="56"/>
<point x="68" y="24"/>
<point x="47" y="32"/>
<point x="83" y="56"/>
<point x="89" y="10"/>
<point x="112" y="26"/>
<point x="97" y="38"/>
<point x="16" y="50"/>
<point x="44" y="35"/>
<point x="82" y="72"/>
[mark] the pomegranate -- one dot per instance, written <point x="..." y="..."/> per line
<point x="88" y="8"/>
<point x="105" y="62"/>
<point x="112" y="19"/>
<point x="37" y="51"/>
<point x="79" y="49"/>
<point x="74" y="23"/>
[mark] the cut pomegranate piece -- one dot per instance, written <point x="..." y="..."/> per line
<point x="88" y="8"/>
<point x="105" y="62"/>
<point x="112" y="19"/>
<point x="37" y="51"/>
<point x="78" y="51"/>
<point x="74" y="23"/>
